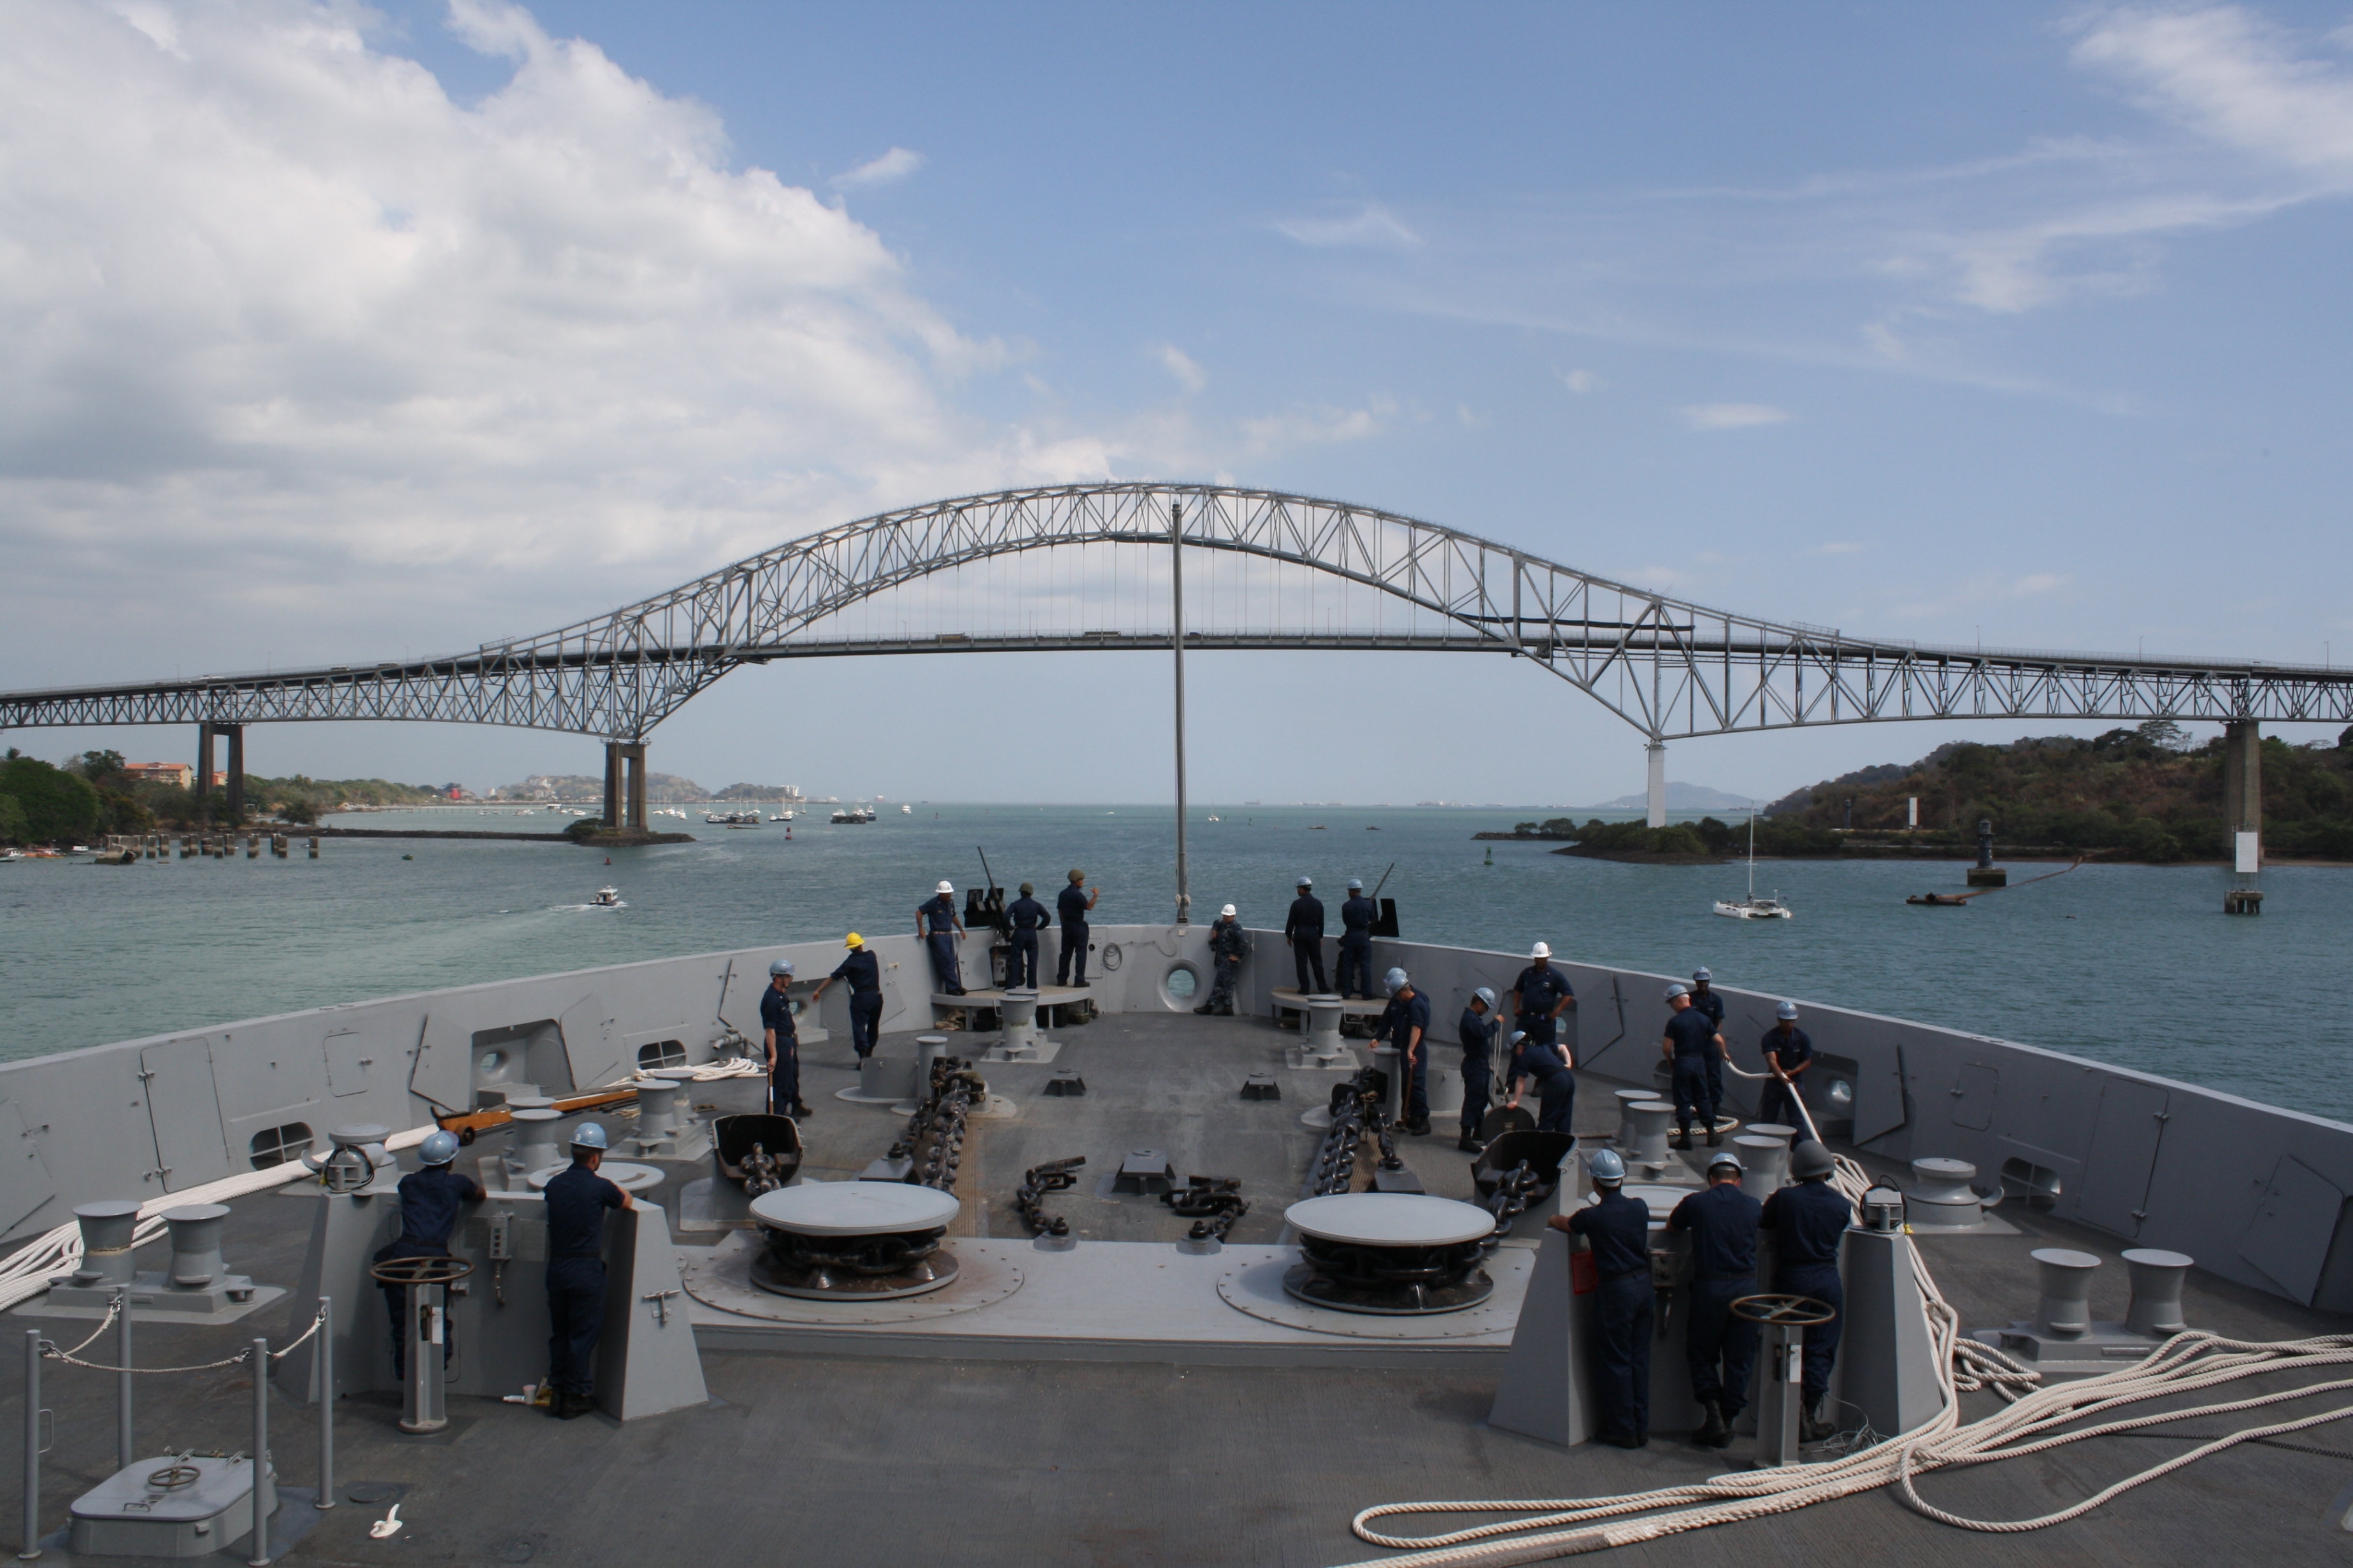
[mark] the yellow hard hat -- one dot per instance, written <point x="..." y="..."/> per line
<point x="854" y="940"/>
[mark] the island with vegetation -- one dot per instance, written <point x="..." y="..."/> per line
<point x="2143" y="794"/>
<point x="94" y="794"/>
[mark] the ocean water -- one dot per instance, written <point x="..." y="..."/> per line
<point x="2132" y="964"/>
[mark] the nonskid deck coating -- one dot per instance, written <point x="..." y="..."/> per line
<point x="838" y="1459"/>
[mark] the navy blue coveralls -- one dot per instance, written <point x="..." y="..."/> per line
<point x="1619" y="1229"/>
<point x="576" y="1201"/>
<point x="1810" y="1219"/>
<point x="1792" y="1048"/>
<point x="1028" y="918"/>
<point x="1357" y="913"/>
<point x="1305" y="926"/>
<point x="1555" y="1085"/>
<point x="785" y="1073"/>
<point x="1540" y="990"/>
<point x="1477" y="1033"/>
<point x="1709" y="1003"/>
<point x="1072" y="903"/>
<point x="1227" y="946"/>
<point x="939" y="923"/>
<point x="863" y="972"/>
<point x="429" y="1214"/>
<point x="1693" y="1035"/>
<point x="1722" y="1225"/>
<point x="1404" y="1014"/>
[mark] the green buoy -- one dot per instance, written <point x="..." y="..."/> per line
<point x="1490" y="854"/>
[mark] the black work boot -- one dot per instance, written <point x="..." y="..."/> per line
<point x="1715" y="1139"/>
<point x="1681" y="1139"/>
<point x="1206" y="1008"/>
<point x="1470" y="1144"/>
<point x="1715" y="1431"/>
<point x="1812" y="1427"/>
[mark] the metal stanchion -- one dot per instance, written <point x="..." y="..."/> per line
<point x="32" y="1445"/>
<point x="265" y="1489"/>
<point x="123" y="1452"/>
<point x="326" y="1403"/>
<point x="1782" y="1320"/>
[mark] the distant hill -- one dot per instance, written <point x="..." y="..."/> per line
<point x="1680" y="797"/>
<point x="661" y="789"/>
<point x="758" y="792"/>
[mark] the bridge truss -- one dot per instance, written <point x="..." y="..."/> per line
<point x="1670" y="668"/>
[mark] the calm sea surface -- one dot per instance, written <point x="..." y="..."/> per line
<point x="2128" y="964"/>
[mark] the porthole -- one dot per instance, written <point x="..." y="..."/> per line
<point x="493" y="1061"/>
<point x="275" y="1145"/>
<point x="661" y="1053"/>
<point x="1180" y="987"/>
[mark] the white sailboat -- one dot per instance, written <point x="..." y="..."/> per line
<point x="1753" y="908"/>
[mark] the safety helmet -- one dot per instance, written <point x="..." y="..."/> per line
<point x="1724" y="1158"/>
<point x="782" y="966"/>
<point x="1700" y="976"/>
<point x="1541" y="950"/>
<point x="1606" y="1166"/>
<point x="945" y="887"/>
<point x="1394" y="982"/>
<point x="1515" y="1038"/>
<point x="1675" y="991"/>
<point x="589" y="1135"/>
<point x="1486" y="995"/>
<point x="1304" y="882"/>
<point x="1077" y="875"/>
<point x="1786" y="1010"/>
<point x="853" y="940"/>
<point x="438" y="1149"/>
<point x="1355" y="884"/>
<point x="1809" y="1160"/>
<point x="1028" y="888"/>
<point x="1228" y="912"/>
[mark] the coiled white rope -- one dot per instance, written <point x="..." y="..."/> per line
<point x="1567" y="1527"/>
<point x="27" y="1271"/>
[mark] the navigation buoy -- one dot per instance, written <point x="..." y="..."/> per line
<point x="1490" y="854"/>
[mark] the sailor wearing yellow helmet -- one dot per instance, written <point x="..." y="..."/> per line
<point x="865" y="977"/>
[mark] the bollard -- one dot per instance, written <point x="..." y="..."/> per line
<point x="195" y="1245"/>
<point x="1323" y="1016"/>
<point x="106" y="1232"/>
<point x="2156" y="1279"/>
<point x="326" y="1404"/>
<point x="314" y="848"/>
<point x="2065" y="1310"/>
<point x="1650" y="1118"/>
<point x="123" y="1452"/>
<point x="1628" y="1098"/>
<point x="32" y="1445"/>
<point x="1766" y="1163"/>
<point x="265" y="1484"/>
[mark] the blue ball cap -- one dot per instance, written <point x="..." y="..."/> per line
<point x="590" y="1136"/>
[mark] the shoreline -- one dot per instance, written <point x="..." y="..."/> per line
<point x="593" y="840"/>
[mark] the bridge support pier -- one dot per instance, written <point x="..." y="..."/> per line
<point x="202" y="784"/>
<point x="625" y="784"/>
<point x="2243" y="812"/>
<point x="1658" y="791"/>
<point x="236" y="733"/>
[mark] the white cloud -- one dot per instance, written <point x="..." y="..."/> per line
<point x="1580" y="382"/>
<point x="1371" y="227"/>
<point x="1837" y="547"/>
<point x="1181" y="365"/>
<point x="2233" y="76"/>
<point x="887" y="170"/>
<point x="2039" y="583"/>
<point x="1311" y="426"/>
<point x="1731" y="415"/>
<point x="269" y="296"/>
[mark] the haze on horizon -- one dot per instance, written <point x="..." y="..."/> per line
<point x="331" y="332"/>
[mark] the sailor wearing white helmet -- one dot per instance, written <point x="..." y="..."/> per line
<point x="937" y="923"/>
<point x="1539" y="996"/>
<point x="1228" y="948"/>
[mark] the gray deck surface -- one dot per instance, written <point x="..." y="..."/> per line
<point x="853" y="1461"/>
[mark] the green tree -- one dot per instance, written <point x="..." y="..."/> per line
<point x="12" y="820"/>
<point x="2163" y="733"/>
<point x="56" y="804"/>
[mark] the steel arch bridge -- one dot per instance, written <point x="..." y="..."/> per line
<point x="1670" y="668"/>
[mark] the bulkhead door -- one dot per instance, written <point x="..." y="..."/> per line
<point x="183" y="1109"/>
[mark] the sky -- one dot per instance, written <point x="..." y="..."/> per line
<point x="331" y="333"/>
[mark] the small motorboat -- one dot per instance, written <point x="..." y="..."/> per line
<point x="1939" y="899"/>
<point x="607" y="899"/>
